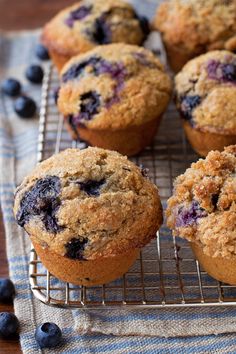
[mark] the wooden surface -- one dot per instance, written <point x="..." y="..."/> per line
<point x="24" y="14"/>
<point x="18" y="15"/>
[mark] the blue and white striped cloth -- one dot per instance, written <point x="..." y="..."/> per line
<point x="117" y="331"/>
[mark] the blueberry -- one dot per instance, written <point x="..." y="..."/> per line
<point x="75" y="248"/>
<point x="78" y="15"/>
<point x="11" y="87"/>
<point x="224" y="72"/>
<point x="25" y="107"/>
<point x="90" y="102"/>
<point x="9" y="324"/>
<point x="188" y="216"/>
<point x="214" y="200"/>
<point x="229" y="72"/>
<point x="42" y="200"/>
<point x="92" y="188"/>
<point x="76" y="70"/>
<point x="7" y="290"/>
<point x="48" y="335"/>
<point x="101" y="33"/>
<point x="188" y="104"/>
<point x="42" y="52"/>
<point x="34" y="74"/>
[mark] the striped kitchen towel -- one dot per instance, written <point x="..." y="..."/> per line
<point x="117" y="331"/>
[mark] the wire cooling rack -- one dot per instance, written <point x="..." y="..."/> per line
<point x="166" y="273"/>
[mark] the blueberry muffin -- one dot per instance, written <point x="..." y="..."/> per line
<point x="113" y="97"/>
<point x="203" y="211"/>
<point x="190" y="28"/>
<point x="88" y="213"/>
<point x="206" y="96"/>
<point x="88" y="23"/>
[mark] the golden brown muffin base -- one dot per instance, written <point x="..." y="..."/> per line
<point x="88" y="273"/>
<point x="177" y="58"/>
<point x="128" y="141"/>
<point x="203" y="142"/>
<point x="58" y="59"/>
<point x="219" y="268"/>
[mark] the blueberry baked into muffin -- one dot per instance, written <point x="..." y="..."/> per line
<point x="203" y="211"/>
<point x="88" y="213"/>
<point x="192" y="27"/>
<point x="206" y="96"/>
<point x="113" y="97"/>
<point x="89" y="23"/>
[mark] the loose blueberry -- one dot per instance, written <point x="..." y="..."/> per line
<point x="42" y="200"/>
<point x="188" y="216"/>
<point x="9" y="324"/>
<point x="48" y="335"/>
<point x="78" y="15"/>
<point x="188" y="104"/>
<point x="92" y="188"/>
<point x="7" y="290"/>
<point x="25" y="107"/>
<point x="34" y="74"/>
<point x="75" y="248"/>
<point x="42" y="52"/>
<point x="11" y="87"/>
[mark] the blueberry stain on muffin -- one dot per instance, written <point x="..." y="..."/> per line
<point x="188" y="104"/>
<point x="78" y="15"/>
<point x="77" y="70"/>
<point x="224" y="72"/>
<point x="214" y="200"/>
<point x="102" y="32"/>
<point x="98" y="66"/>
<point x="128" y="79"/>
<point x="42" y="200"/>
<point x="91" y="101"/>
<point x="75" y="248"/>
<point x="187" y="216"/>
<point x="90" y="187"/>
<point x="89" y="106"/>
<point x="142" y="59"/>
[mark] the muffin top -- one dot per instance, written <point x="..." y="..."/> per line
<point x="206" y="92"/>
<point x="197" y="26"/>
<point x="87" y="204"/>
<point x="89" y="23"/>
<point x="203" y="206"/>
<point x="113" y="87"/>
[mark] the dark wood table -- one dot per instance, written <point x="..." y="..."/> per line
<point x="18" y="15"/>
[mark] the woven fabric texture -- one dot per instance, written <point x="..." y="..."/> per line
<point x="117" y="331"/>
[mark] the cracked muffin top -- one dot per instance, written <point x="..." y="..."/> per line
<point x="113" y="86"/>
<point x="88" y="23"/>
<point x="203" y="206"/>
<point x="206" y="92"/>
<point x="197" y="26"/>
<point x="87" y="204"/>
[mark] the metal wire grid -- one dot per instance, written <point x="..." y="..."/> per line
<point x="166" y="273"/>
